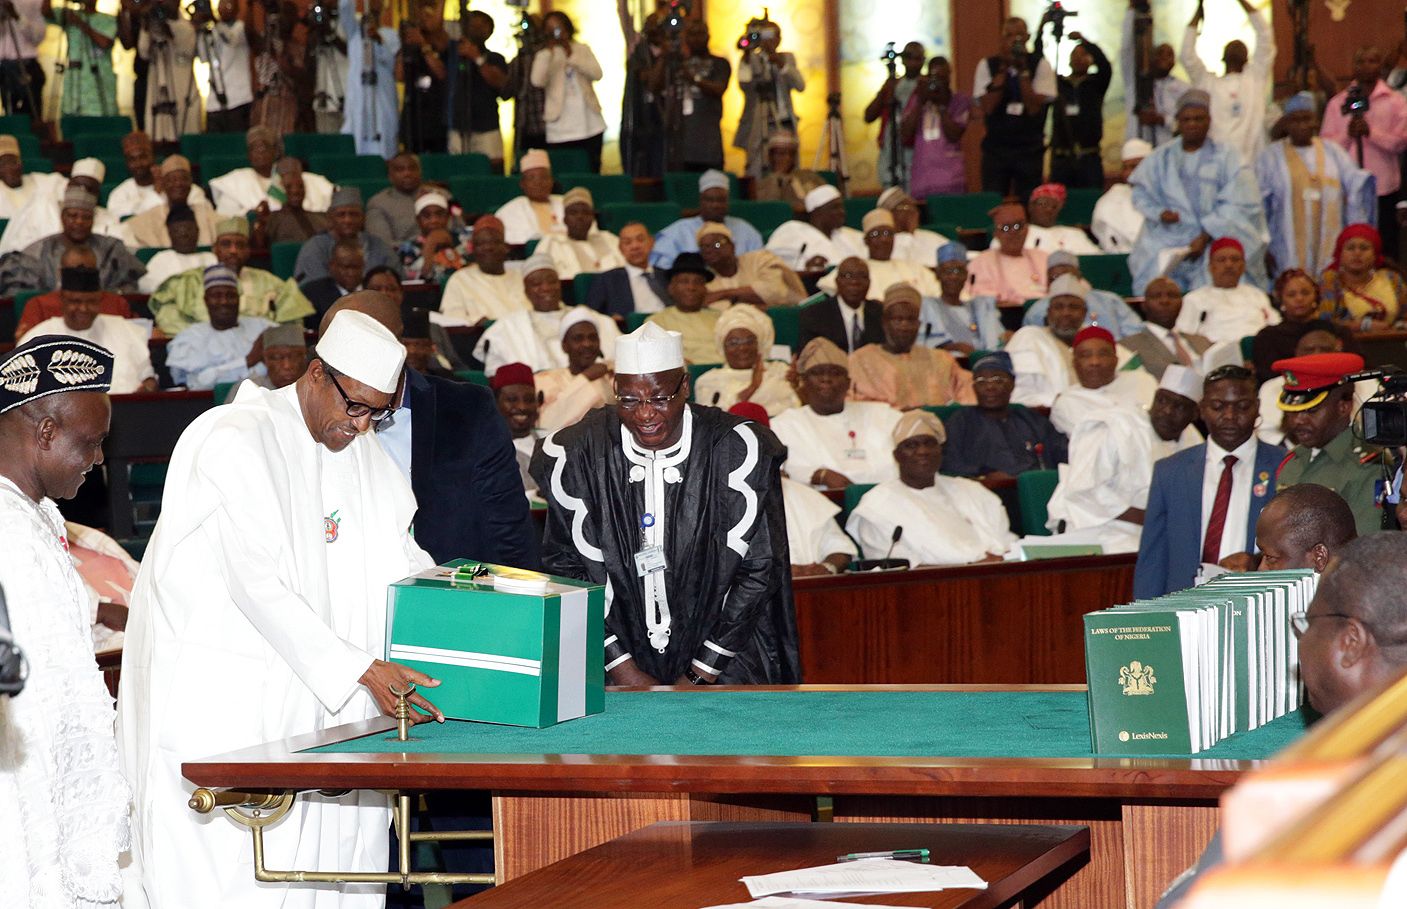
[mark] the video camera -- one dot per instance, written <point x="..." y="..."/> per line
<point x="1355" y="102"/>
<point x="1384" y="415"/>
<point x="759" y="30"/>
<point x="675" y="18"/>
<point x="1056" y="14"/>
<point x="197" y="9"/>
<point x="323" y="13"/>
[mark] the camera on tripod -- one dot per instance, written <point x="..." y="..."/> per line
<point x="1355" y="102"/>
<point x="322" y="14"/>
<point x="200" y="9"/>
<point x="758" y="32"/>
<point x="1384" y="415"/>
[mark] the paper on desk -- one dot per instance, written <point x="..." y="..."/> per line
<point x="789" y="902"/>
<point x="867" y="876"/>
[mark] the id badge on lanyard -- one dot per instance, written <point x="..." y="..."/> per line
<point x="854" y="452"/>
<point x="650" y="558"/>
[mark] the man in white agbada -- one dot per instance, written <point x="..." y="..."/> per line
<point x="822" y="239"/>
<point x="911" y="242"/>
<point x="1099" y="382"/>
<point x="832" y="442"/>
<point x="886" y="269"/>
<point x="42" y="215"/>
<point x="538" y="211"/>
<point x="1115" y="222"/>
<point x="946" y="520"/>
<point x="584" y="247"/>
<point x="485" y="289"/>
<point x="258" y="613"/>
<point x="244" y="189"/>
<point x="533" y="336"/>
<point x="63" y="802"/>
<point x="1228" y="309"/>
<point x="1041" y="354"/>
<point x="16" y="186"/>
<point x="1240" y="96"/>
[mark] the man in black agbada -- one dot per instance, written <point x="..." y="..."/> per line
<point x="678" y="510"/>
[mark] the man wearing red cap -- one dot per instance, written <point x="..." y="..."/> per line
<point x="1044" y="234"/>
<point x="1227" y="309"/>
<point x="1318" y="406"/>
<point x="485" y="289"/>
<point x="1099" y="383"/>
<point x="515" y="392"/>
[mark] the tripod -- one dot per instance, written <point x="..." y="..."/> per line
<point x="676" y="84"/>
<point x="13" y="74"/>
<point x="898" y="167"/>
<point x="204" y="49"/>
<point x="370" y="131"/>
<point x="833" y="142"/>
<point x="764" y="80"/>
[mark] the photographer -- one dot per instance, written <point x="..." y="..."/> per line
<point x="224" y="45"/>
<point x="1013" y="88"/>
<point x="641" y="123"/>
<point x="329" y="52"/>
<point x="565" y="69"/>
<point x="167" y="43"/>
<point x="421" y="68"/>
<point x="1369" y="121"/>
<point x="1079" y="118"/>
<point x="21" y="78"/>
<point x="894" y="96"/>
<point x="690" y="82"/>
<point x="477" y="76"/>
<point x="529" y="102"/>
<point x="89" y="85"/>
<point x="933" y="125"/>
<point x="370" y="111"/>
<point x="767" y="78"/>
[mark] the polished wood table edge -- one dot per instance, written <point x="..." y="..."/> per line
<point x="965" y="572"/>
<point x="1011" y="887"/>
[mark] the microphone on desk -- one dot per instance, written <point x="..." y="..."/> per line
<point x="13" y="668"/>
<point x="716" y="396"/>
<point x="894" y="541"/>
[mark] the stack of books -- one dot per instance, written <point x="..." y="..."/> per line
<point x="1179" y="673"/>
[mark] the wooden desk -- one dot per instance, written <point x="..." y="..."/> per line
<point x="689" y="865"/>
<point x="1000" y="623"/>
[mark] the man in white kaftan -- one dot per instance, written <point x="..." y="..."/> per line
<point x="534" y="336"/>
<point x="259" y="613"/>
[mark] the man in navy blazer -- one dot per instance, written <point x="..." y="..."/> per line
<point x="622" y="291"/>
<point x="1179" y="529"/>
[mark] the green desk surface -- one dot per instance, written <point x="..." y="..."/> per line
<point x="1024" y="724"/>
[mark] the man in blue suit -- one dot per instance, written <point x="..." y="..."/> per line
<point x="637" y="287"/>
<point x="1204" y="501"/>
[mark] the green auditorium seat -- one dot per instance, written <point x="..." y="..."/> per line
<point x="16" y="125"/>
<point x="473" y="377"/>
<point x="856" y="209"/>
<point x="282" y="257"/>
<point x="830" y="177"/>
<point x="29" y="146"/>
<point x="656" y="216"/>
<point x="72" y="126"/>
<point x="765" y="216"/>
<point x="530" y="247"/>
<point x="565" y="161"/>
<point x="604" y="189"/>
<point x="1033" y="490"/>
<point x="1248" y="346"/>
<point x="968" y="210"/>
<point x="683" y="188"/>
<point x="943" y="411"/>
<point x="581" y="287"/>
<point x="1079" y="206"/>
<point x="212" y="166"/>
<point x="634" y="320"/>
<point x="853" y="493"/>
<point x="484" y="194"/>
<point x="696" y="370"/>
<point x="786" y="323"/>
<point x="341" y="168"/>
<point x="443" y="167"/>
<point x="306" y="145"/>
<point x="108" y="148"/>
<point x="197" y="145"/>
<point x="1108" y="272"/>
<point x="369" y="186"/>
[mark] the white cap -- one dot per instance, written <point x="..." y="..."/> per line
<point x="649" y="349"/>
<point x="1067" y="285"/>
<point x="88" y="167"/>
<point x="1184" y="381"/>
<point x="820" y="196"/>
<point x="429" y="199"/>
<point x="1135" y="150"/>
<point x="534" y="158"/>
<point x="573" y="316"/>
<point x="361" y="348"/>
<point x="714" y="179"/>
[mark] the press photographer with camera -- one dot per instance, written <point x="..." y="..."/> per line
<point x="689" y="80"/>
<point x="21" y="78"/>
<point x="933" y="124"/>
<point x="1369" y="121"/>
<point x="477" y="76"/>
<point x="767" y="77"/>
<point x="1078" y="127"/>
<point x="565" y="69"/>
<point x="84" y="63"/>
<point x="1238" y="96"/>
<point x="328" y="49"/>
<point x="1013" y="88"/>
<point x="422" y="69"/>
<point x="167" y="43"/>
<point x="888" y="105"/>
<point x="225" y="46"/>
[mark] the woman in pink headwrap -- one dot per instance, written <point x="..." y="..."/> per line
<point x="1356" y="290"/>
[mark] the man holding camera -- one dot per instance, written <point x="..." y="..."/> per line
<point x="892" y="98"/>
<point x="167" y="43"/>
<point x="691" y="81"/>
<point x="767" y="78"/>
<point x="1013" y="88"/>
<point x="1369" y="121"/>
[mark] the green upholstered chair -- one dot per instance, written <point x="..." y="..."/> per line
<point x="1033" y="490"/>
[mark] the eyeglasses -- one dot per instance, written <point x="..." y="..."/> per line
<point x="658" y="402"/>
<point x="998" y="379"/>
<point x="716" y="244"/>
<point x="1299" y="621"/>
<point x="1014" y="226"/>
<point x="853" y="275"/>
<point x="356" y="409"/>
<point x="880" y="232"/>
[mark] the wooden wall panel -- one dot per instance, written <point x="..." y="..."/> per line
<point x="1167" y="839"/>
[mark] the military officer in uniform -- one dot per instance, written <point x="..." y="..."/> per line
<point x="1318" y="406"/>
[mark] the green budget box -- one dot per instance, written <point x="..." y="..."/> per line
<point x="508" y="646"/>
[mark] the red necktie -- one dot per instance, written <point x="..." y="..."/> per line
<point x="1211" y="543"/>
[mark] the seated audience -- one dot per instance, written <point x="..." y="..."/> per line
<point x="391" y="213"/>
<point x="1102" y="308"/>
<point x="849" y="318"/>
<point x="885" y="269"/>
<point x="1228" y="309"/>
<point x="16" y="186"/>
<point x="1318" y="406"/>
<point x="1099" y="382"/>
<point x="945" y="520"/>
<point x="820" y="241"/>
<point x="995" y="439"/>
<point x="37" y="266"/>
<point x="584" y="247"/>
<point x="1297" y="298"/>
<point x="686" y="312"/>
<point x="1007" y="269"/>
<point x="1043" y="209"/>
<point x="180" y="301"/>
<point x="832" y="442"/>
<point x="183" y="254"/>
<point x="345" y="268"/>
<point x="682" y="235"/>
<point x="538" y="211"/>
<point x="438" y="248"/>
<point x="533" y="336"/>
<point x="485" y="289"/>
<point x="1159" y="344"/>
<point x="224" y="349"/>
<point x="141" y="190"/>
<point x="911" y="242"/>
<point x="756" y="277"/>
<point x="1204" y="501"/>
<point x="1041" y="354"/>
<point x="1304" y="526"/>
<point x="1357" y="290"/>
<point x="244" y="189"/>
<point x="783" y="181"/>
<point x="422" y="353"/>
<point x="1115" y="223"/>
<point x="148" y="229"/>
<point x="125" y="338"/>
<point x="568" y="393"/>
<point x="285" y="356"/>
<point x="290" y="222"/>
<point x="346" y="221"/>
<point x="744" y="336"/>
<point x="900" y="373"/>
<point x="516" y="395"/>
<point x="42" y="215"/>
<point x="50" y="305"/>
<point x="635" y="287"/>
<point x="954" y="320"/>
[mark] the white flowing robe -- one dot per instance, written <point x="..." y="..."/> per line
<point x="1115" y="223"/>
<point x="1043" y="366"/>
<point x="1112" y="452"/>
<point x="953" y="522"/>
<point x="41" y="217"/>
<point x="797" y="242"/>
<point x="242" y="190"/>
<point x="247" y="627"/>
<point x="1131" y="388"/>
<point x="858" y="442"/>
<point x="532" y="337"/>
<point x="812" y="531"/>
<point x="472" y="296"/>
<point x="1226" y="314"/>
<point x="370" y="113"/>
<point x="520" y="222"/>
<point x="889" y="271"/>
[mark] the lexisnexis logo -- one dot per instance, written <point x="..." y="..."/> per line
<point x="1126" y="736"/>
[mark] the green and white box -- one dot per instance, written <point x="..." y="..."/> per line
<point x="508" y="646"/>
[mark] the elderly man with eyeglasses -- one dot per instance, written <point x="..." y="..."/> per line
<point x="1008" y="270"/>
<point x="678" y="508"/>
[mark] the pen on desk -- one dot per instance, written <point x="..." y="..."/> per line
<point x="896" y="854"/>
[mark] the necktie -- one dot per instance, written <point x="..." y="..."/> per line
<point x="1183" y="356"/>
<point x="854" y="332"/>
<point x="1211" y="543"/>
